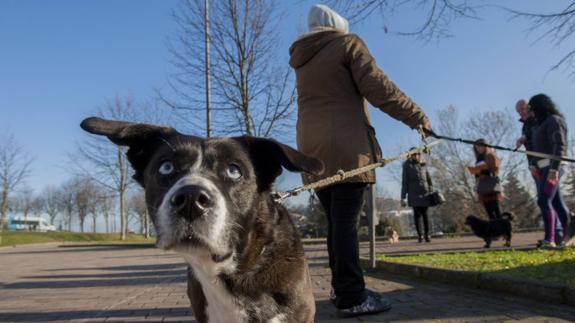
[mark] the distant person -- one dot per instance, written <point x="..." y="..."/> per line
<point x="549" y="136"/>
<point x="486" y="171"/>
<point x="416" y="186"/>
<point x="336" y="77"/>
<point x="527" y="118"/>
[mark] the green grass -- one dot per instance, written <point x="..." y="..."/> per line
<point x="20" y="238"/>
<point x="555" y="266"/>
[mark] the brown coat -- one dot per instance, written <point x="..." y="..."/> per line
<point x="335" y="74"/>
<point x="491" y="165"/>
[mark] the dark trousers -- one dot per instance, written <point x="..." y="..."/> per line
<point x="342" y="204"/>
<point x="558" y="228"/>
<point x="419" y="213"/>
<point x="493" y="209"/>
<point x="551" y="203"/>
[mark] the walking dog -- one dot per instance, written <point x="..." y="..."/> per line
<point x="210" y="201"/>
<point x="492" y="229"/>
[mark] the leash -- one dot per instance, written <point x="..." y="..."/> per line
<point x="341" y="175"/>
<point x="525" y="152"/>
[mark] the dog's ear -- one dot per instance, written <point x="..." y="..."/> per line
<point x="142" y="139"/>
<point x="268" y="157"/>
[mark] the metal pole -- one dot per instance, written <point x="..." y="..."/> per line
<point x="207" y="59"/>
<point x="372" y="221"/>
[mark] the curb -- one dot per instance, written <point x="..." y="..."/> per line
<point x="31" y="245"/>
<point x="548" y="292"/>
<point x="71" y="244"/>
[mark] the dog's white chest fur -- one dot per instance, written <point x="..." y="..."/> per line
<point x="222" y="306"/>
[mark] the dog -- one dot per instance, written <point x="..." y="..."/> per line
<point x="210" y="201"/>
<point x="392" y="235"/>
<point x="493" y="229"/>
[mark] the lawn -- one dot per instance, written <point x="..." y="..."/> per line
<point x="19" y="238"/>
<point x="556" y="266"/>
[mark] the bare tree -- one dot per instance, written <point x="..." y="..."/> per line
<point x="449" y="160"/>
<point x="439" y="14"/>
<point x="67" y="201"/>
<point x="86" y="199"/>
<point x="25" y="202"/>
<point x="558" y="26"/>
<point x="50" y="203"/>
<point x="138" y="207"/>
<point x="105" y="205"/>
<point x="251" y="94"/>
<point x="15" y="167"/>
<point x="105" y="163"/>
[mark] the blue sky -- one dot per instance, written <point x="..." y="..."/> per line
<point x="61" y="59"/>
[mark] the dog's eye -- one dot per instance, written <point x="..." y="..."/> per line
<point x="234" y="172"/>
<point x="166" y="168"/>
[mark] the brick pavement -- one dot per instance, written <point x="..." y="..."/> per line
<point x="115" y="284"/>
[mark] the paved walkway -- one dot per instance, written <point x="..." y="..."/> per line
<point x="127" y="284"/>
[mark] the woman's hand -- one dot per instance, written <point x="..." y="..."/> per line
<point x="553" y="177"/>
<point x="520" y="142"/>
<point x="471" y="169"/>
<point x="427" y="129"/>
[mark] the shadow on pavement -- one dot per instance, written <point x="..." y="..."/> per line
<point x="147" y="315"/>
<point x="139" y="275"/>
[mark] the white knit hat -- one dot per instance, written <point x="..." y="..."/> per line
<point x="323" y="18"/>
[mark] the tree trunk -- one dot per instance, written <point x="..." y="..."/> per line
<point x="69" y="221"/>
<point x="122" y="191"/>
<point x="107" y="218"/>
<point x="147" y="226"/>
<point x="94" y="221"/>
<point x="82" y="225"/>
<point x="3" y="210"/>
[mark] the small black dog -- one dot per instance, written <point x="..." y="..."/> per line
<point x="489" y="230"/>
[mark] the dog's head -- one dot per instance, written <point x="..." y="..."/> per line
<point x="472" y="220"/>
<point x="201" y="192"/>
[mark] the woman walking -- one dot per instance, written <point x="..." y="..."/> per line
<point x="335" y="75"/>
<point x="549" y="136"/>
<point x="486" y="171"/>
<point x="416" y="186"/>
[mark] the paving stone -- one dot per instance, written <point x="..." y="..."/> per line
<point x="107" y="284"/>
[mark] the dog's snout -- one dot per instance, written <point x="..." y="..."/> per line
<point x="192" y="200"/>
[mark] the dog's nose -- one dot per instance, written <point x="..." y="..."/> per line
<point x="192" y="199"/>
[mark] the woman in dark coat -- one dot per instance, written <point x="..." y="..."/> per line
<point x="487" y="165"/>
<point x="549" y="136"/>
<point x="417" y="185"/>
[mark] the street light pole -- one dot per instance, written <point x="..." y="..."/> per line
<point x="207" y="76"/>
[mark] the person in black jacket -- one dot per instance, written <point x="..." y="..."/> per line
<point x="549" y="136"/>
<point x="527" y="119"/>
<point x="417" y="185"/>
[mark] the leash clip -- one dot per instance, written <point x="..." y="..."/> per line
<point x="280" y="196"/>
<point x="426" y="148"/>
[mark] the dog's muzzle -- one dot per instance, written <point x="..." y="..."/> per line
<point x="191" y="202"/>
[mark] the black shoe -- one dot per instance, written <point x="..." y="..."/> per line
<point x="374" y="303"/>
<point x="427" y="239"/>
<point x="420" y="239"/>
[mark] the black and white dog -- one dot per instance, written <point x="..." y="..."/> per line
<point x="492" y="229"/>
<point x="210" y="201"/>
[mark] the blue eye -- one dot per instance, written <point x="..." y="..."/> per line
<point x="234" y="172"/>
<point x="166" y="168"/>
